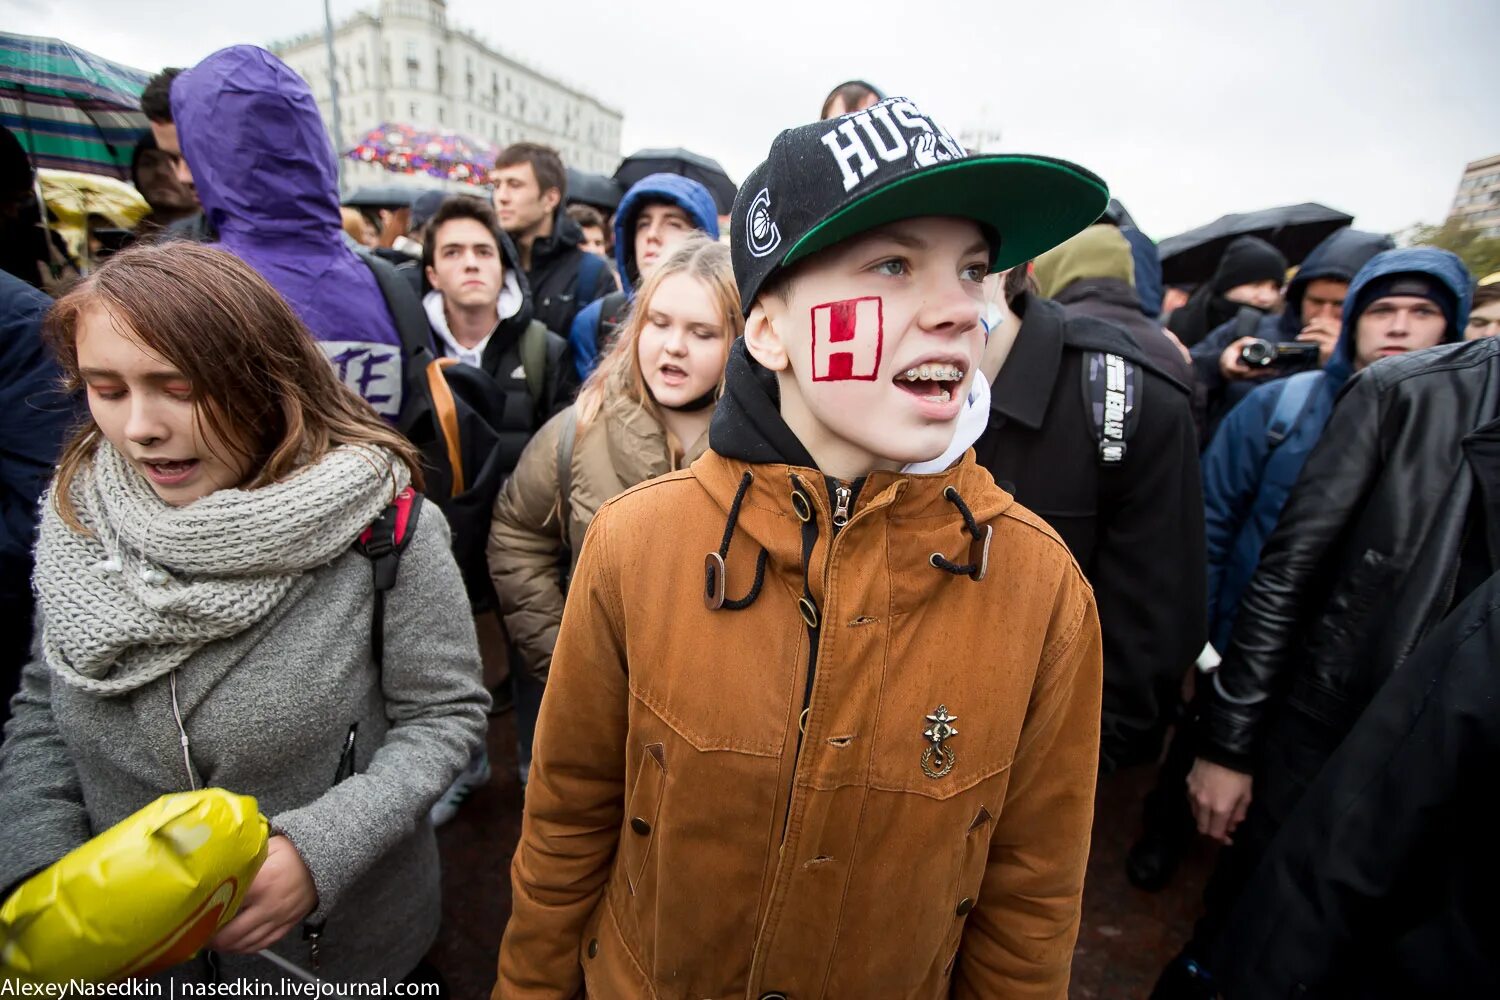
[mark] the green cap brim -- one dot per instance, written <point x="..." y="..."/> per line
<point x="1026" y="204"/>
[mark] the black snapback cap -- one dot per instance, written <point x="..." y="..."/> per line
<point x="825" y="182"/>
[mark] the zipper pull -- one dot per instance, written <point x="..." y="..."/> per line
<point x="842" y="497"/>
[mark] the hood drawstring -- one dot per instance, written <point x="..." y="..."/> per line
<point x="716" y="577"/>
<point x="979" y="549"/>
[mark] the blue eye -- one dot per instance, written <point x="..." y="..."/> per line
<point x="894" y="267"/>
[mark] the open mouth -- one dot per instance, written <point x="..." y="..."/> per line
<point x="673" y="375"/>
<point x="171" y="473"/>
<point x="937" y="382"/>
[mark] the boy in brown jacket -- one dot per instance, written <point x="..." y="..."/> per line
<point x="823" y="715"/>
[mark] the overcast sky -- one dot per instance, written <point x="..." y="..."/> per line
<point x="1188" y="109"/>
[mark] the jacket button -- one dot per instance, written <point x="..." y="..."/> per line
<point x="964" y="906"/>
<point x="640" y="826"/>
<point x="773" y="995"/>
<point x="594" y="948"/>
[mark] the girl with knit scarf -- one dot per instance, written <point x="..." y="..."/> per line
<point x="203" y="619"/>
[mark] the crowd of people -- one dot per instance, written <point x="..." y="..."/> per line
<point x="827" y="555"/>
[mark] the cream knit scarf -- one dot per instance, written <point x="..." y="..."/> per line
<point x="153" y="583"/>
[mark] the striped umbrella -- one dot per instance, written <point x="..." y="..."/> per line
<point x="70" y="109"/>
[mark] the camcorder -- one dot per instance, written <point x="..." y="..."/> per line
<point x="1287" y="357"/>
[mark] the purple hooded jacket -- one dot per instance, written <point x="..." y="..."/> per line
<point x="267" y="178"/>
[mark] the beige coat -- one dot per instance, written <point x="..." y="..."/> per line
<point x="624" y="445"/>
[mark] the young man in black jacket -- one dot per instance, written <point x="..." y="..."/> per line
<point x="531" y="189"/>
<point x="1087" y="432"/>
<point x="1384" y="532"/>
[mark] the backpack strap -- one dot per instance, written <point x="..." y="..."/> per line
<point x="382" y="543"/>
<point x="1296" y="391"/>
<point x="565" y="442"/>
<point x="1112" y="394"/>
<point x="534" y="359"/>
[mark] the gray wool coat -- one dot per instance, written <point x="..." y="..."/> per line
<point x="267" y="713"/>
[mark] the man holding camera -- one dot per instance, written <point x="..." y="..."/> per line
<point x="1401" y="301"/>
<point x="1314" y="306"/>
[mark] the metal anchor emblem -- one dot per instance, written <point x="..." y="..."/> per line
<point x="937" y="760"/>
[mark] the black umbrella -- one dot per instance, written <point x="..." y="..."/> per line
<point x="604" y="193"/>
<point x="384" y="196"/>
<point x="1192" y="257"/>
<point x="680" y="161"/>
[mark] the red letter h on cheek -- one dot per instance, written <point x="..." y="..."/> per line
<point x="847" y="337"/>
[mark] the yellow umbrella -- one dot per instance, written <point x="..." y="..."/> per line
<point x="73" y="197"/>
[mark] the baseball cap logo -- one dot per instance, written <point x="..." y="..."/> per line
<point x="893" y="131"/>
<point x="764" y="235"/>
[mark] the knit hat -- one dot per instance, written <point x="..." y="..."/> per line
<point x="1098" y="252"/>
<point x="826" y="182"/>
<point x="1413" y="283"/>
<point x="1247" y="260"/>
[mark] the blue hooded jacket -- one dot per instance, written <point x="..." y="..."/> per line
<point x="267" y="178"/>
<point x="688" y="195"/>
<point x="1247" y="477"/>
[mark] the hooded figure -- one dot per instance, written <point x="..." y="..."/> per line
<point x="266" y="175"/>
<point x="594" y="327"/>
<point x="1254" y="460"/>
<point x="1246" y="260"/>
<point x="1093" y="274"/>
<point x="1338" y="258"/>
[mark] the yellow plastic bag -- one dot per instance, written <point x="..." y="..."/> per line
<point x="142" y="896"/>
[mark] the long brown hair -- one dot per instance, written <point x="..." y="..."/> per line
<point x="620" y="368"/>
<point x="258" y="377"/>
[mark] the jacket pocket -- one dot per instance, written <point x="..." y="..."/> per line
<point x="642" y="814"/>
<point x="970" y="878"/>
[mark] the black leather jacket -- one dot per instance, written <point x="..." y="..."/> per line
<point x="1365" y="559"/>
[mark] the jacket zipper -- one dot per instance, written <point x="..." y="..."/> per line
<point x="844" y="499"/>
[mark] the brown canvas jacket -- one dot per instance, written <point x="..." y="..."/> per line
<point x="680" y="841"/>
<point x="624" y="445"/>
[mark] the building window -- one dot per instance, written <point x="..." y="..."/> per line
<point x="413" y="108"/>
<point x="440" y="114"/>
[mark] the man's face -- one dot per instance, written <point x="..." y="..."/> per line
<point x="520" y="202"/>
<point x="1484" y="321"/>
<point x="876" y="343"/>
<point x="658" y="228"/>
<point x="1323" y="299"/>
<point x="1264" y="295"/>
<point x="466" y="265"/>
<point x="1396" y="324"/>
<point x="166" y="141"/>
<point x="593" y="240"/>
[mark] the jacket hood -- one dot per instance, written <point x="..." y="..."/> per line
<point x="266" y="176"/>
<point x="255" y="141"/>
<point x="684" y="192"/>
<point x="747" y="423"/>
<point x="1441" y="265"/>
<point x="1339" y="257"/>
<point x="1100" y="251"/>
